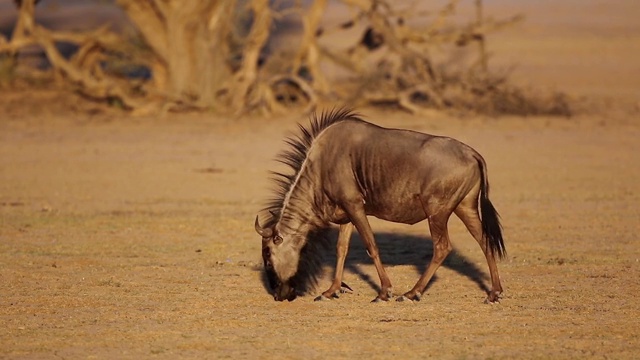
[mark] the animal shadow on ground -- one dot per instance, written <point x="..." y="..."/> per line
<point x="395" y="249"/>
<point x="403" y="249"/>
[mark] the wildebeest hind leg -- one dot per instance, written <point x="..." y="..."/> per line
<point x="441" y="248"/>
<point x="467" y="211"/>
<point x="341" y="254"/>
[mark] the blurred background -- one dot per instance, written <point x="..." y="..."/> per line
<point x="268" y="56"/>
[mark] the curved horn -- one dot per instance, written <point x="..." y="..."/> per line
<point x="262" y="231"/>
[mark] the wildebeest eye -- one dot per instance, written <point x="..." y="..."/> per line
<point x="266" y="252"/>
<point x="277" y="240"/>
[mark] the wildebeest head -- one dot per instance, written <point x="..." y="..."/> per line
<point x="281" y="257"/>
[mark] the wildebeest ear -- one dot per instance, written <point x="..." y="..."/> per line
<point x="277" y="240"/>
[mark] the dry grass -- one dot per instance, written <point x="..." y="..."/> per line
<point x="115" y="243"/>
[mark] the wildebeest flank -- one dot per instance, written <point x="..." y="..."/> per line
<point x="345" y="169"/>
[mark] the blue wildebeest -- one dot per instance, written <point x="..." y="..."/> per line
<point x="345" y="169"/>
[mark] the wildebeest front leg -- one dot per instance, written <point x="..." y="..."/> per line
<point x="441" y="248"/>
<point x="342" y="248"/>
<point x="359" y="219"/>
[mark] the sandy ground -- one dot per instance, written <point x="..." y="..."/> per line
<point x="133" y="237"/>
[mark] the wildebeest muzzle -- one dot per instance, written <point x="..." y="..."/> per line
<point x="284" y="291"/>
<point x="281" y="290"/>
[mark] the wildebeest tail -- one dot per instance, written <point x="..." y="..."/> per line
<point x="491" y="228"/>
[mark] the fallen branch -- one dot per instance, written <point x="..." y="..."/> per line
<point x="88" y="85"/>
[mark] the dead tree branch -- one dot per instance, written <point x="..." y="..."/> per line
<point x="246" y="77"/>
<point x="309" y="53"/>
<point x="83" y="72"/>
<point x="215" y="54"/>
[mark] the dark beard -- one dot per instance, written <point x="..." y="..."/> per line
<point x="311" y="259"/>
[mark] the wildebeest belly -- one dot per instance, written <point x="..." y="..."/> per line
<point x="405" y="208"/>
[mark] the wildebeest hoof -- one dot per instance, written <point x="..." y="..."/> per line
<point x="493" y="298"/>
<point x="328" y="296"/>
<point x="380" y="298"/>
<point x="408" y="297"/>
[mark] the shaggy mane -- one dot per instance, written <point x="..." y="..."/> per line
<point x="296" y="154"/>
<point x="311" y="255"/>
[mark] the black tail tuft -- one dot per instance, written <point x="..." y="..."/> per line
<point x="491" y="227"/>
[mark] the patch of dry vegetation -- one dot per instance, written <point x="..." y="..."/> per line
<point x="221" y="55"/>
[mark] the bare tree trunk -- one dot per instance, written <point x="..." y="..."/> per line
<point x="148" y="20"/>
<point x="246" y="77"/>
<point x="309" y="53"/>
<point x="187" y="39"/>
<point x="214" y="69"/>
